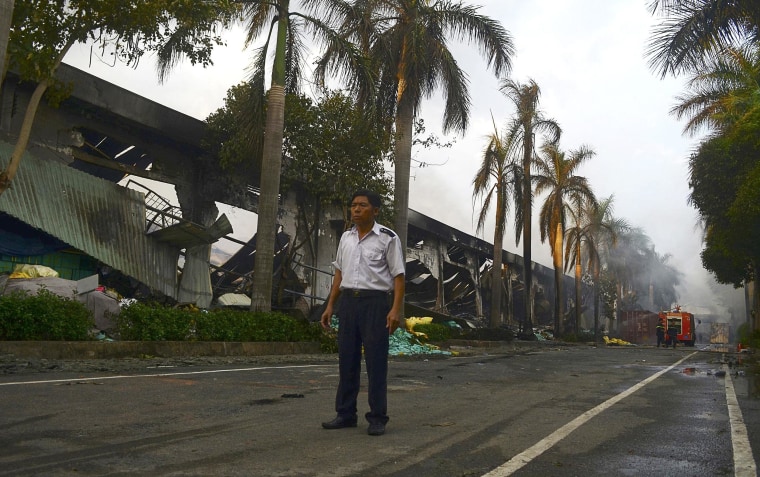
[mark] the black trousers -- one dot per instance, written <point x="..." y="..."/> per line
<point x="361" y="322"/>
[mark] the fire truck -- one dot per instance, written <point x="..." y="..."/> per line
<point x="683" y="322"/>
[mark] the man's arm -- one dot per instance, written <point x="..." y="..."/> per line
<point x="393" y="320"/>
<point x="334" y="294"/>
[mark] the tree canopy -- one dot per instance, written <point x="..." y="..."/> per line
<point x="723" y="173"/>
<point x="693" y="32"/>
<point x="43" y="31"/>
<point x="330" y="149"/>
<point x="718" y="43"/>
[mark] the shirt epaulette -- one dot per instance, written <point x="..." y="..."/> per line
<point x="387" y="231"/>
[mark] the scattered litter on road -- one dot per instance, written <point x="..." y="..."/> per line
<point x="616" y="342"/>
<point x="403" y="343"/>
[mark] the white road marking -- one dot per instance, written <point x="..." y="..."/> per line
<point x="185" y="373"/>
<point x="523" y="458"/>
<point x="744" y="463"/>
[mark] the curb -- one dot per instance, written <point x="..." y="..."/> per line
<point x="173" y="349"/>
<point x="160" y="349"/>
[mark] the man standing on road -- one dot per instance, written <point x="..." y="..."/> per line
<point x="672" y="336"/>
<point x="660" y="333"/>
<point x="369" y="278"/>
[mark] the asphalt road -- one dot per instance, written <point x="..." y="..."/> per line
<point x="557" y="411"/>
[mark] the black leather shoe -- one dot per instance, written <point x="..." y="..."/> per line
<point x="340" y="423"/>
<point x="376" y="429"/>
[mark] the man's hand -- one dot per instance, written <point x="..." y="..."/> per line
<point x="326" y="317"/>
<point x="392" y="321"/>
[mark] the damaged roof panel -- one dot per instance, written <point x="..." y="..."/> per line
<point x="100" y="218"/>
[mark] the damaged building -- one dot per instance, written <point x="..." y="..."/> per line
<point x="68" y="209"/>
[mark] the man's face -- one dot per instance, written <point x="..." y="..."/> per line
<point x="362" y="212"/>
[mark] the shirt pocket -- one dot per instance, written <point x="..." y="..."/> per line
<point x="375" y="255"/>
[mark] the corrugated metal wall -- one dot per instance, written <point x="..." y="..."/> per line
<point x="98" y="217"/>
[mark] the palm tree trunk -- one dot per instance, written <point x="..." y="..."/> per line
<point x="597" y="276"/>
<point x="510" y="298"/>
<point x="527" y="207"/>
<point x="403" y="153"/>
<point x="495" y="319"/>
<point x="558" y="298"/>
<point x="578" y="277"/>
<point x="271" y="165"/>
<point x="498" y="244"/>
<point x="261" y="296"/>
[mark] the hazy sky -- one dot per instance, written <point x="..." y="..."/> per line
<point x="587" y="56"/>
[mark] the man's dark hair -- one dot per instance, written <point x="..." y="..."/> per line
<point x="374" y="198"/>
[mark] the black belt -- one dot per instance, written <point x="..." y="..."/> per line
<point x="355" y="293"/>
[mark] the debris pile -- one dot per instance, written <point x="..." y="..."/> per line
<point x="616" y="342"/>
<point x="100" y="301"/>
<point x="404" y="342"/>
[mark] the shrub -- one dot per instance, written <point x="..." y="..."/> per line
<point x="434" y="331"/>
<point x="748" y="337"/>
<point x="328" y="340"/>
<point x="236" y="325"/>
<point x="43" y="317"/>
<point x="151" y="322"/>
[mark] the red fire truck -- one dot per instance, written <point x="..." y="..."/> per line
<point x="683" y="322"/>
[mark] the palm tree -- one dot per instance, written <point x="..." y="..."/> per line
<point x="406" y="42"/>
<point x="580" y="212"/>
<point x="724" y="95"/>
<point x="495" y="180"/>
<point x="604" y="231"/>
<point x="527" y="121"/>
<point x="262" y="16"/>
<point x="599" y="232"/>
<point x="697" y="30"/>
<point x="556" y="176"/>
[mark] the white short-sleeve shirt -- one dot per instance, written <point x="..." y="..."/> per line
<point x="372" y="262"/>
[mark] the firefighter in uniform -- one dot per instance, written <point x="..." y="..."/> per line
<point x="660" y="333"/>
<point x="369" y="279"/>
<point x="672" y="336"/>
